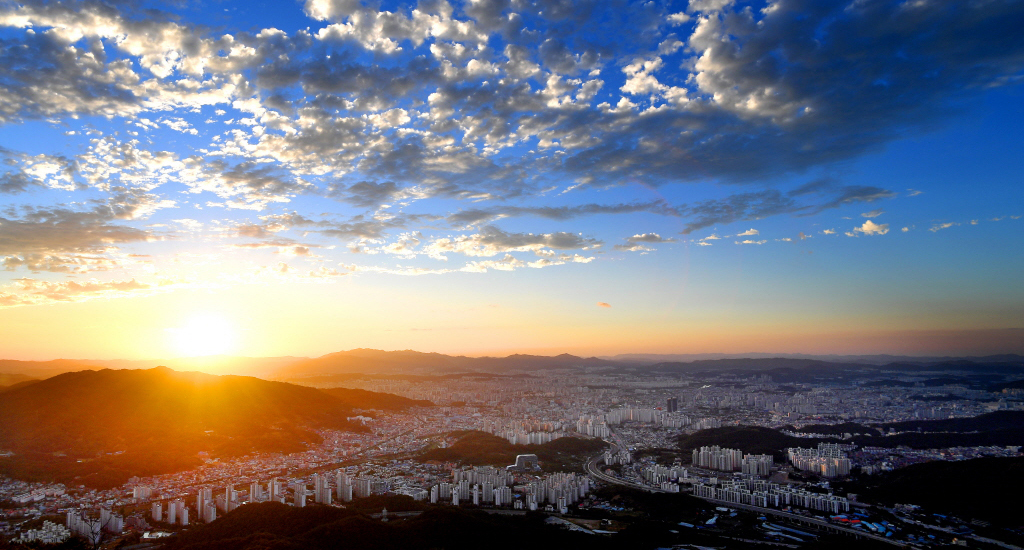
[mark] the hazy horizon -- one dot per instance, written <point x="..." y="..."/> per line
<point x="919" y="344"/>
<point x="639" y="355"/>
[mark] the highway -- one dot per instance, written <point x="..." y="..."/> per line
<point x="595" y="472"/>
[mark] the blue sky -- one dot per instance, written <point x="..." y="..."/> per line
<point x="597" y="177"/>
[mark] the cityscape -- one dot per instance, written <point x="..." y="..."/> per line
<point x="506" y="274"/>
<point x="618" y="428"/>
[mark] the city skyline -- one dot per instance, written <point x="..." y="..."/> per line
<point x="853" y="451"/>
<point x="487" y="177"/>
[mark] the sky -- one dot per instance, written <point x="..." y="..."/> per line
<point x="500" y="176"/>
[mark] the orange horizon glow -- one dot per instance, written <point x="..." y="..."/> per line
<point x="924" y="343"/>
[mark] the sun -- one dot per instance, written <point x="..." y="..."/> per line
<point x="205" y="334"/>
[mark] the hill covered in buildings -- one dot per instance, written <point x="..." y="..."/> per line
<point x="101" y="427"/>
<point x="480" y="448"/>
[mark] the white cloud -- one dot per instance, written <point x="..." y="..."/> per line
<point x="636" y="242"/>
<point x="872" y="228"/>
<point x="940" y="226"/>
<point x="332" y="112"/>
<point x="677" y="18"/>
<point x="507" y="263"/>
<point x="492" y="241"/>
<point x="25" y="292"/>
<point x="706" y="6"/>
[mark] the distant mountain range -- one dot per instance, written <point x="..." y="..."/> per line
<point x="8" y="380"/>
<point x="376" y="362"/>
<point x="414" y="362"/>
<point x="101" y="427"/>
<point x="877" y="359"/>
<point x="214" y="364"/>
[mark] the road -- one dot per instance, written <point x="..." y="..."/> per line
<point x="595" y="472"/>
<point x="592" y="470"/>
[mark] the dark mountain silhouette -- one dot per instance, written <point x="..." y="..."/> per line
<point x="981" y="488"/>
<point x="717" y="365"/>
<point x="652" y="358"/>
<point x="1015" y="385"/>
<point x="371" y="360"/>
<point x="836" y="429"/>
<point x="18" y="385"/>
<point x="786" y="368"/>
<point x="800" y="370"/>
<point x="273" y="525"/>
<point x="7" y="380"/>
<point x="998" y="420"/>
<point x="45" y="369"/>
<point x="411" y="362"/>
<point x="213" y="364"/>
<point x="481" y="448"/>
<point x="365" y="399"/>
<point x="889" y="383"/>
<point x="1013" y="364"/>
<point x="120" y="422"/>
<point x="327" y="380"/>
<point x="998" y="428"/>
<point x="749" y="439"/>
<point x="936" y="440"/>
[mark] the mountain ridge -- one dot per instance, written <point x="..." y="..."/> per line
<point x="118" y="422"/>
<point x="373" y="361"/>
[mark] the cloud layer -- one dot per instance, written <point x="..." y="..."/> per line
<point x="464" y="133"/>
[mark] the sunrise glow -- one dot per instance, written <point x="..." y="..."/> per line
<point x="202" y="335"/>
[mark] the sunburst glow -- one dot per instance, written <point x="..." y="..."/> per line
<point x="203" y="335"/>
